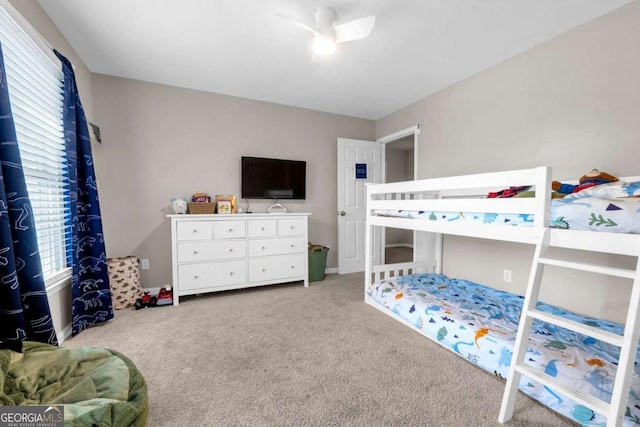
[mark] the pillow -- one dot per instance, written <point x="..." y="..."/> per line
<point x="611" y="190"/>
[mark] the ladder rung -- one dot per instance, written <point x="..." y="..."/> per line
<point x="611" y="271"/>
<point x="591" y="331"/>
<point x="587" y="400"/>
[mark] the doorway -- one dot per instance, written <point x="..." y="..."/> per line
<point x="399" y="166"/>
<point x="361" y="162"/>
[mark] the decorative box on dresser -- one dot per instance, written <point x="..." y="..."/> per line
<point x="229" y="251"/>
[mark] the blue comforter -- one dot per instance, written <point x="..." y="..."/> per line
<point x="480" y="323"/>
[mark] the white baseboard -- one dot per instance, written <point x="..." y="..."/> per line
<point x="332" y="270"/>
<point x="64" y="334"/>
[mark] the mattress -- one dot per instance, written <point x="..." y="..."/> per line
<point x="613" y="208"/>
<point x="480" y="324"/>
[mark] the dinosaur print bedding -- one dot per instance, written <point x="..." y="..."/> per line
<point x="479" y="323"/>
<point x="613" y="208"/>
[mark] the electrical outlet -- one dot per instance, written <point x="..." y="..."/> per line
<point x="506" y="276"/>
<point x="144" y="263"/>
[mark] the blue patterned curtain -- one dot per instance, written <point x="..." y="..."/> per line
<point x="90" y="280"/>
<point x="24" y="307"/>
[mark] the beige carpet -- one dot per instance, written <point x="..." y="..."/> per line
<point x="286" y="355"/>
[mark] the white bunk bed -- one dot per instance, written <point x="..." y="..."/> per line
<point x="594" y="396"/>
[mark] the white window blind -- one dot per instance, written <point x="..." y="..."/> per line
<point x="35" y="93"/>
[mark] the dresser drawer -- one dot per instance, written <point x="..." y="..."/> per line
<point x="194" y="230"/>
<point x="212" y="274"/>
<point x="262" y="227"/>
<point x="281" y="246"/>
<point x="291" y="227"/>
<point x="212" y="250"/>
<point x="229" y="229"/>
<point x="276" y="267"/>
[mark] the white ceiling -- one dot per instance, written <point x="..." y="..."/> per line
<point x="242" y="48"/>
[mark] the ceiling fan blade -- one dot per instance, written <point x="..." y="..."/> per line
<point x="298" y="23"/>
<point x="354" y="30"/>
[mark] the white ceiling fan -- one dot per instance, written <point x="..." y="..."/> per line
<point x="327" y="35"/>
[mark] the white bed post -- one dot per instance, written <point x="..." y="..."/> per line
<point x="437" y="248"/>
<point x="367" y="241"/>
<point x="543" y="189"/>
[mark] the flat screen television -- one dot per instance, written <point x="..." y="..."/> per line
<point x="273" y="178"/>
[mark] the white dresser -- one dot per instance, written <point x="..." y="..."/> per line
<point x="229" y="251"/>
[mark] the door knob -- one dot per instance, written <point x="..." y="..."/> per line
<point x="342" y="213"/>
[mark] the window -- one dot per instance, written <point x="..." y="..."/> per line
<point x="35" y="93"/>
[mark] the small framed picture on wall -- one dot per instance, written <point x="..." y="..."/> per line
<point x="224" y="206"/>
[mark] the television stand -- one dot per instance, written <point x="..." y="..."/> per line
<point x="277" y="208"/>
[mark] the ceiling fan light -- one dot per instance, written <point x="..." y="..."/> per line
<point x="324" y="45"/>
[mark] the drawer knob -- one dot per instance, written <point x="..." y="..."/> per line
<point x="231" y="274"/>
<point x="293" y="266"/>
<point x="195" y="230"/>
<point x="263" y="248"/>
<point x="262" y="228"/>
<point x="292" y="245"/>
<point x="292" y="227"/>
<point x="195" y="252"/>
<point x="231" y="250"/>
<point x="264" y="269"/>
<point x="195" y="277"/>
<point x="230" y="230"/>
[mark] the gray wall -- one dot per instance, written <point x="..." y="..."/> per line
<point x="161" y="142"/>
<point x="571" y="103"/>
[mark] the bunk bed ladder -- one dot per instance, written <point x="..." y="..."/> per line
<point x="628" y="342"/>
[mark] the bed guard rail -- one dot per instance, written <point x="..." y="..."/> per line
<point x="466" y="193"/>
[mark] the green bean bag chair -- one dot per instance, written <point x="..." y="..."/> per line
<point x="96" y="386"/>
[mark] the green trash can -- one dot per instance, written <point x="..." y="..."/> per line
<point x="317" y="262"/>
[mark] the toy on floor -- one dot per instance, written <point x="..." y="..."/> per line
<point x="595" y="177"/>
<point x="146" y="301"/>
<point x="165" y="296"/>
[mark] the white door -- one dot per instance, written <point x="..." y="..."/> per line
<point x="359" y="162"/>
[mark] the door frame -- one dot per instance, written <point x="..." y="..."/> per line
<point x="413" y="130"/>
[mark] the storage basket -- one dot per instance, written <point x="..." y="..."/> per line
<point x="124" y="280"/>
<point x="317" y="262"/>
<point x="201" y="208"/>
